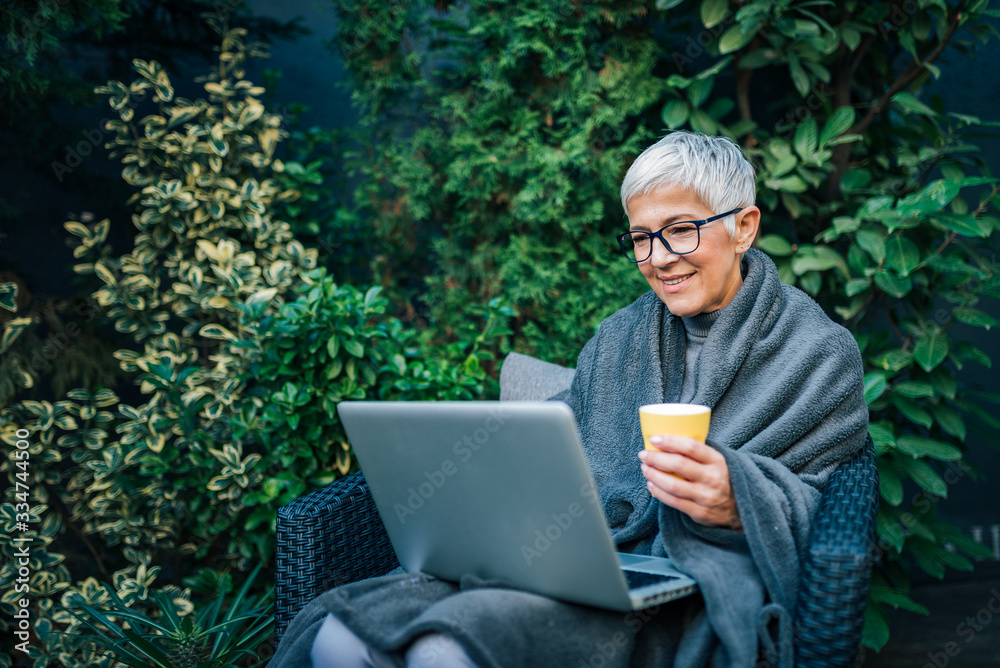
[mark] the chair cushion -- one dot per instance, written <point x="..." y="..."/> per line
<point x="524" y="378"/>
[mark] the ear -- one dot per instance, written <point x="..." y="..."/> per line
<point x="747" y="224"/>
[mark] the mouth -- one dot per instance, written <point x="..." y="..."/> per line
<point x="675" y="281"/>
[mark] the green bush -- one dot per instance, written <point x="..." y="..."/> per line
<point x="239" y="351"/>
<point x="336" y="343"/>
<point x="497" y="153"/>
<point x="499" y="133"/>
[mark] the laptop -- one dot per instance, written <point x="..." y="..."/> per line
<point x="501" y="491"/>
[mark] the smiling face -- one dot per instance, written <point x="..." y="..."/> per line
<point x="698" y="282"/>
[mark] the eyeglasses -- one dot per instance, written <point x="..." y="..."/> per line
<point x="679" y="238"/>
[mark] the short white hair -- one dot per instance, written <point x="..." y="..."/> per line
<point x="715" y="168"/>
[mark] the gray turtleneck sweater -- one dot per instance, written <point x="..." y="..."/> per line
<point x="696" y="329"/>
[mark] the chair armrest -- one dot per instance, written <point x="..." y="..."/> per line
<point x="328" y="538"/>
<point x="837" y="571"/>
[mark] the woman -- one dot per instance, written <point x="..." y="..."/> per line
<point x="718" y="328"/>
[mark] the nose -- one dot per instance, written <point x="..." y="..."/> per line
<point x="661" y="257"/>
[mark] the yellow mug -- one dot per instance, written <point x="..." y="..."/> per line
<point x="689" y="420"/>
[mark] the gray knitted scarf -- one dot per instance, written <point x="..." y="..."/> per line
<point x="785" y="387"/>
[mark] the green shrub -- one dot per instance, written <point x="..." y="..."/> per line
<point x="239" y="350"/>
<point x="153" y="487"/>
<point x="506" y="185"/>
<point x="336" y="343"/>
<point x="499" y="133"/>
<point x="225" y="632"/>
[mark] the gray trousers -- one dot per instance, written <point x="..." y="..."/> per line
<point x="336" y="646"/>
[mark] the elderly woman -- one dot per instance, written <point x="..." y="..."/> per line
<point x="718" y="328"/>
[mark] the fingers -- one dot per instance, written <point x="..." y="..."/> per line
<point x="670" y="483"/>
<point x="693" y="478"/>
<point x="686" y="446"/>
<point x="676" y="464"/>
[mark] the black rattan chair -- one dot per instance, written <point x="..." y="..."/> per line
<point x="334" y="536"/>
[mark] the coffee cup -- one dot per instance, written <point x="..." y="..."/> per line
<point x="689" y="420"/>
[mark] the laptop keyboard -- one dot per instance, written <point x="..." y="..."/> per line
<point x="636" y="579"/>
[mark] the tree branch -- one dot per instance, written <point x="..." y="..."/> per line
<point x="908" y="75"/>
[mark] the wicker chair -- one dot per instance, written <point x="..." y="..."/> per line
<point x="334" y="536"/>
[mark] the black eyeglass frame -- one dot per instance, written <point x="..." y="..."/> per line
<point x="658" y="234"/>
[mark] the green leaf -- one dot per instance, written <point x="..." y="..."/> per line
<point x="806" y="138"/>
<point x="811" y="282"/>
<point x="873" y="243"/>
<point x="807" y="259"/>
<point x="881" y="435"/>
<point x="371" y="296"/>
<point x="914" y="389"/>
<point x="931" y="350"/>
<point x="890" y="486"/>
<point x="951" y="534"/>
<point x="913" y="411"/>
<point x="792" y="184"/>
<point x="896" y="599"/>
<point x="8" y="296"/>
<point x="908" y="102"/>
<point x="855" y="179"/>
<point x="875" y="633"/>
<point x="932" y="197"/>
<point x="974" y="317"/>
<point x="856" y="286"/>
<point x="902" y="254"/>
<point x="262" y="296"/>
<point x="944" y="383"/>
<point x="354" y="348"/>
<point x="919" y="446"/>
<point x="735" y="38"/>
<point x="104" y="273"/>
<point x="216" y="331"/>
<point x="851" y="38"/>
<point x="893" y="285"/>
<point x="179" y="115"/>
<point x="925" y="476"/>
<point x="665" y="5"/>
<point x="702" y="122"/>
<point x="799" y="76"/>
<point x="713" y="12"/>
<point x="893" y="360"/>
<point x="907" y="41"/>
<point x="838" y="123"/>
<point x="876" y="208"/>
<point x="875" y="385"/>
<point x="888" y="529"/>
<point x="950" y="421"/>
<point x="962" y="223"/>
<point x="675" y="113"/>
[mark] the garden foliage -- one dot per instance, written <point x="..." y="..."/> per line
<point x="494" y="137"/>
<point x="499" y="133"/>
<point x="240" y="350"/>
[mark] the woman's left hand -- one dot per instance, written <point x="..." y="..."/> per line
<point x="693" y="478"/>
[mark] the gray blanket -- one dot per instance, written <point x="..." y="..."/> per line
<point x="785" y="387"/>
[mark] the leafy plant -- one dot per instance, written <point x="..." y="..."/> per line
<point x="497" y="149"/>
<point x="219" y="635"/>
<point x="336" y="343"/>
<point x="230" y="415"/>
<point x="158" y="480"/>
<point x="496" y="152"/>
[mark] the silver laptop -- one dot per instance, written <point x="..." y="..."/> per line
<point x="502" y="491"/>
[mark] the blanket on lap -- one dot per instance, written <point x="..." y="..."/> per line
<point x="785" y="387"/>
